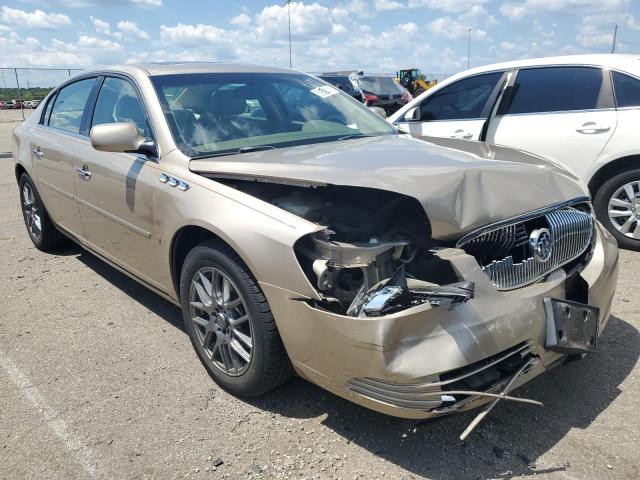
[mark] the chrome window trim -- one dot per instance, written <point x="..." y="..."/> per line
<point x="560" y="112"/>
<point x="520" y="218"/>
<point x="60" y="131"/>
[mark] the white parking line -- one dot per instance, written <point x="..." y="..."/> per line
<point x="85" y="455"/>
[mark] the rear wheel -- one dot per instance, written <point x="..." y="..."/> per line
<point x="43" y="233"/>
<point x="617" y="206"/>
<point x="229" y="322"/>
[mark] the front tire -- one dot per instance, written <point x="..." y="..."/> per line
<point x="617" y="206"/>
<point x="230" y="323"/>
<point x="42" y="232"/>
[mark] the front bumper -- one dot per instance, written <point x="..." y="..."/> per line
<point x="394" y="363"/>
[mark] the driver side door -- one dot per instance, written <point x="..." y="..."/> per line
<point x="458" y="110"/>
<point x="115" y="191"/>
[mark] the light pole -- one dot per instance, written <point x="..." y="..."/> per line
<point x="613" y="44"/>
<point x="468" y="48"/>
<point x="288" y="3"/>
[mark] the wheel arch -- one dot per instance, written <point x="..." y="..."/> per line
<point x="19" y="170"/>
<point x="610" y="169"/>
<point x="183" y="241"/>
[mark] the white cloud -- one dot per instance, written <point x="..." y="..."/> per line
<point x="147" y="3"/>
<point x="101" y="26"/>
<point x="131" y="29"/>
<point x="307" y="21"/>
<point x="451" y="28"/>
<point x="241" y="20"/>
<point x="84" y="52"/>
<point x="597" y="30"/>
<point x="451" y="6"/>
<point x="193" y="35"/>
<point x="93" y="42"/>
<point x="37" y="19"/>
<point x="382" y="5"/>
<point x="518" y="10"/>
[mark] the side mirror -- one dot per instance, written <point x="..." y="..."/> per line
<point x="379" y="111"/>
<point x="120" y="137"/>
<point x="412" y="115"/>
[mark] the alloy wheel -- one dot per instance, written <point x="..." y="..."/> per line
<point x="624" y="210"/>
<point x="221" y="320"/>
<point x="31" y="212"/>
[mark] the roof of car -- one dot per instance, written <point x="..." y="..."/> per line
<point x="171" y="68"/>
<point x="616" y="60"/>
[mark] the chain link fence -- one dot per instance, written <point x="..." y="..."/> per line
<point x="24" y="88"/>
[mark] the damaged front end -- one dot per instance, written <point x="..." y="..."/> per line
<point x="375" y="255"/>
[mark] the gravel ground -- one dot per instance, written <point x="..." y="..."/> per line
<point x="98" y="380"/>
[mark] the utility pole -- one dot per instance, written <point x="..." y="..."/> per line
<point x="288" y="3"/>
<point x="469" y="48"/>
<point x="615" y="35"/>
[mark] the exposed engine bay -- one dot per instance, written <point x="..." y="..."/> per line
<point x="375" y="255"/>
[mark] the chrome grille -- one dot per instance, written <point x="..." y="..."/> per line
<point x="571" y="231"/>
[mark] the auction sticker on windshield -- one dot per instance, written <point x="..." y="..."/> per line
<point x="324" y="91"/>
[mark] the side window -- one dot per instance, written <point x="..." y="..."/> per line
<point x="556" y="89"/>
<point x="69" y="105"/>
<point x="627" y="90"/>
<point x="118" y="102"/>
<point x="462" y="100"/>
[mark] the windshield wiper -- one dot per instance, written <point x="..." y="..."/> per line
<point x="354" y="135"/>
<point x="255" y="148"/>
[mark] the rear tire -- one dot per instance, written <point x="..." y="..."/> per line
<point x="42" y="232"/>
<point x="230" y="323"/>
<point x="617" y="206"/>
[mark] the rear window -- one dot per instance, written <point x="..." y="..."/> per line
<point x="627" y="90"/>
<point x="379" y="85"/>
<point x="556" y="89"/>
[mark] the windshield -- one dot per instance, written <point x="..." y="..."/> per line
<point x="380" y="85"/>
<point x="216" y="113"/>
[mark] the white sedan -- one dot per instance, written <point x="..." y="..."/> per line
<point x="582" y="111"/>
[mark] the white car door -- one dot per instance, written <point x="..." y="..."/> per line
<point x="458" y="110"/>
<point x="563" y="113"/>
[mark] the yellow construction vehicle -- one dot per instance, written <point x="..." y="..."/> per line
<point x="414" y="81"/>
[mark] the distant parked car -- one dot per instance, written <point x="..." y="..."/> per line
<point x="582" y="111"/>
<point x="348" y="83"/>
<point x="372" y="90"/>
<point x="383" y="92"/>
<point x="3" y="105"/>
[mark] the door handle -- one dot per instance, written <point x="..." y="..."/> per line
<point x="83" y="172"/>
<point x="462" y="134"/>
<point x="37" y="152"/>
<point x="589" y="128"/>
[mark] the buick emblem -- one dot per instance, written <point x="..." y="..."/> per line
<point x="541" y="244"/>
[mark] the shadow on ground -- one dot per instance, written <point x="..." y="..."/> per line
<point x="507" y="444"/>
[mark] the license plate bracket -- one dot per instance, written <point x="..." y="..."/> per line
<point x="571" y="327"/>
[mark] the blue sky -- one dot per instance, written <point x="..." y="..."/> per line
<point x="374" y="35"/>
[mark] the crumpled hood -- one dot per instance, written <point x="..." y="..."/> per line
<point x="462" y="185"/>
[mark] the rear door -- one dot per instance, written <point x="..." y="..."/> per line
<point x="563" y="113"/>
<point x="458" y="110"/>
<point x="116" y="191"/>
<point x="54" y="142"/>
